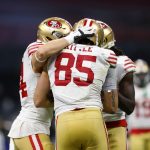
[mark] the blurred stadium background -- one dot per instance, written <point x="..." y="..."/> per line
<point x="130" y="21"/>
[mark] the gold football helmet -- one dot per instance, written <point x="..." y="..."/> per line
<point x="53" y="28"/>
<point x="98" y="37"/>
<point x="142" y="74"/>
<point x="109" y="38"/>
<point x="141" y="66"/>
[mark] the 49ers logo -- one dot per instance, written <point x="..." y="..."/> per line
<point x="103" y="25"/>
<point x="54" y="24"/>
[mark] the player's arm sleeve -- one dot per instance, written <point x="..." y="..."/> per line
<point x="128" y="67"/>
<point x="110" y="81"/>
<point x="37" y="67"/>
<point x="111" y="58"/>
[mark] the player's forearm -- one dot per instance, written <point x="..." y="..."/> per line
<point x="51" y="48"/>
<point x="45" y="104"/>
<point x="126" y="104"/>
<point x="110" y="101"/>
<point x="39" y="58"/>
<point x="55" y="46"/>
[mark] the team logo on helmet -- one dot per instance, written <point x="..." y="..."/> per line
<point x="103" y="25"/>
<point x="54" y="24"/>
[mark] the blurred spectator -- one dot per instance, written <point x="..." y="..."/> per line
<point x="139" y="121"/>
<point x="2" y="141"/>
<point x="2" y="137"/>
<point x="8" y="108"/>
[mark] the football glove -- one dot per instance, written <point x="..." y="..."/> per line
<point x="83" y="32"/>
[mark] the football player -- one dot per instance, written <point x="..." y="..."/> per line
<point x="116" y="123"/>
<point x="139" y="120"/>
<point x="76" y="76"/>
<point x="30" y="130"/>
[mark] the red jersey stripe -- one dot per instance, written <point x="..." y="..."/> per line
<point x="111" y="62"/>
<point x="130" y="67"/>
<point x="31" y="52"/>
<point x="114" y="58"/>
<point x="128" y="63"/>
<point x="33" y="48"/>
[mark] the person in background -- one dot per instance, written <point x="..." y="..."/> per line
<point x="76" y="76"/>
<point x="31" y="129"/>
<point x="116" y="123"/>
<point x="2" y="138"/>
<point x="139" y="120"/>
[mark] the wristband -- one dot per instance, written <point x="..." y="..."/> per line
<point x="70" y="38"/>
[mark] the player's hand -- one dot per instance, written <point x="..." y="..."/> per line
<point x="83" y="32"/>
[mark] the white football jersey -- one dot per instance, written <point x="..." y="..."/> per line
<point x="31" y="120"/>
<point x="77" y="75"/>
<point x="124" y="65"/>
<point x="140" y="118"/>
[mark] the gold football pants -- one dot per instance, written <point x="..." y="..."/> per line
<point x="139" y="141"/>
<point x="32" y="142"/>
<point x="117" y="138"/>
<point x="82" y="129"/>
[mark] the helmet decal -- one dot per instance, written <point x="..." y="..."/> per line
<point x="54" y="24"/>
<point x="103" y="25"/>
<point x="109" y="38"/>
